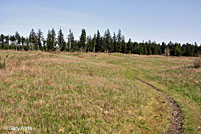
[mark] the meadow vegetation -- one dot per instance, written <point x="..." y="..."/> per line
<point x="96" y="92"/>
<point x="197" y="63"/>
<point x="2" y="64"/>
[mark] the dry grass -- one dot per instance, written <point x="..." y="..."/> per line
<point x="85" y="93"/>
<point x="197" y="63"/>
<point x="2" y="63"/>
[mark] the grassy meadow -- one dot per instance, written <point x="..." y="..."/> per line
<point x="96" y="92"/>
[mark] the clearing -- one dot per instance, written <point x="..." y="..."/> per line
<point x="98" y="92"/>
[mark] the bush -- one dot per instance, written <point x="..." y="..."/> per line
<point x="197" y="63"/>
<point x="2" y="64"/>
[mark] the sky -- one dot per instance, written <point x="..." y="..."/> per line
<point x="156" y="20"/>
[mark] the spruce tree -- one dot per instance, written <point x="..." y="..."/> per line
<point x="129" y="46"/>
<point x="89" y="44"/>
<point x="26" y="48"/>
<point x="141" y="51"/>
<point x="119" y="41"/>
<point x="94" y="43"/>
<point x="51" y="40"/>
<point x="114" y="42"/>
<point x="177" y="50"/>
<point x="98" y="42"/>
<point x="196" y="52"/>
<point x="23" y="41"/>
<point x="70" y="41"/>
<point x="149" y="51"/>
<point x="163" y="46"/>
<point x="145" y="49"/>
<point x="159" y="49"/>
<point x="32" y="39"/>
<point x="2" y="38"/>
<point x="7" y="41"/>
<point x="18" y="38"/>
<point x="154" y="48"/>
<point x="39" y="38"/>
<point x="13" y="41"/>
<point x="83" y="40"/>
<point x="61" y="41"/>
<point x="107" y="46"/>
<point x="124" y="47"/>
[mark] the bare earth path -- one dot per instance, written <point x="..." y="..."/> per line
<point x="177" y="117"/>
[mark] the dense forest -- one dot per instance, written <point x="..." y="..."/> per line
<point x="96" y="43"/>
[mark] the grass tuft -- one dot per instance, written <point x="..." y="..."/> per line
<point x="2" y="63"/>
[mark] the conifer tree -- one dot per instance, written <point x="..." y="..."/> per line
<point x="141" y="51"/>
<point x="13" y="41"/>
<point x="83" y="40"/>
<point x="39" y="39"/>
<point x="2" y="38"/>
<point x="18" y="38"/>
<point x="32" y="39"/>
<point x="94" y="43"/>
<point x="114" y="42"/>
<point x="145" y="49"/>
<point x="110" y="47"/>
<point x="23" y="41"/>
<point x="89" y="44"/>
<point x="98" y="42"/>
<point x="177" y="50"/>
<point x="124" y="47"/>
<point x="107" y="42"/>
<point x="119" y="41"/>
<point x="149" y="51"/>
<point x="61" y="41"/>
<point x="51" y="40"/>
<point x="163" y="46"/>
<point x="70" y="41"/>
<point x="7" y="38"/>
<point x="129" y="46"/>
<point x="26" y="48"/>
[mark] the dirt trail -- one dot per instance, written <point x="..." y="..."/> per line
<point x="177" y="117"/>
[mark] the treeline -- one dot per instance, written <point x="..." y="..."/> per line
<point x="96" y="43"/>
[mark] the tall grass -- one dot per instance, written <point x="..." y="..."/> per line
<point x="2" y="64"/>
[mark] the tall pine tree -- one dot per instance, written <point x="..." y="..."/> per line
<point x="71" y="41"/>
<point x="51" y="40"/>
<point x="94" y="43"/>
<point x="83" y="41"/>
<point x="61" y="41"/>
<point x="98" y="42"/>
<point x="39" y="37"/>
<point x="18" y="38"/>
<point x="32" y="39"/>
<point x="119" y="41"/>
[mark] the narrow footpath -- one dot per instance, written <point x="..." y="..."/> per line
<point x="177" y="117"/>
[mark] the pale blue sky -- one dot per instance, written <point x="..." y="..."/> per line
<point x="158" y="20"/>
